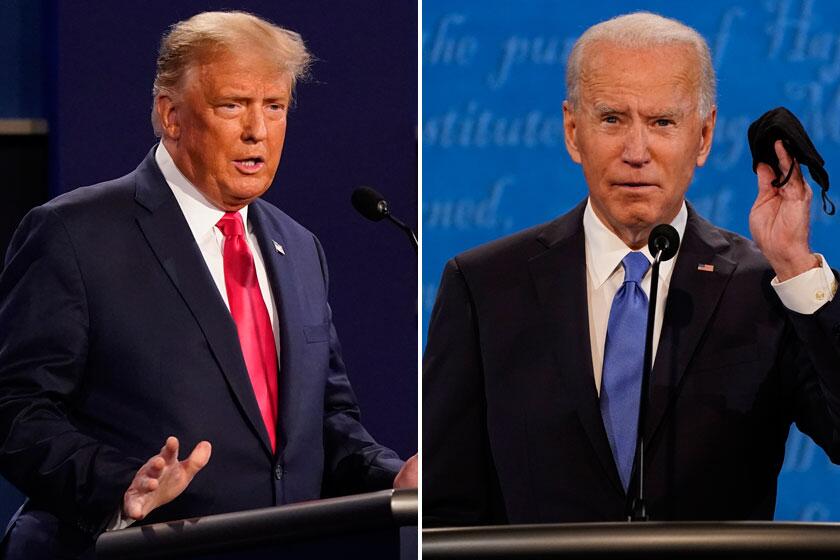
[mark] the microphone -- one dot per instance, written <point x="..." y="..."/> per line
<point x="663" y="238"/>
<point x="370" y="203"/>
<point x="663" y="243"/>
<point x="373" y="206"/>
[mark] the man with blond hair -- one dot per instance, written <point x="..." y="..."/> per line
<point x="172" y="307"/>
<point x="532" y="370"/>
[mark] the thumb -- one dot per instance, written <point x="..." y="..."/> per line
<point x="134" y="510"/>
<point x="198" y="459"/>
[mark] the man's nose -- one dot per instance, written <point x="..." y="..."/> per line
<point x="253" y="125"/>
<point x="636" y="146"/>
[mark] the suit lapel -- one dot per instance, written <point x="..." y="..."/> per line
<point x="288" y="298"/>
<point x="693" y="296"/>
<point x="166" y="230"/>
<point x="559" y="276"/>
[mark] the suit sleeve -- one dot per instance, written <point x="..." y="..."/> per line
<point x="354" y="461"/>
<point x="460" y="485"/>
<point x="816" y="354"/>
<point x="43" y="350"/>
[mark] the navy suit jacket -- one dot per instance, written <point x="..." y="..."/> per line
<point x="512" y="430"/>
<point x="115" y="336"/>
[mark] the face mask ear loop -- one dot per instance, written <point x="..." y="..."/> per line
<point x="828" y="206"/>
<point x="784" y="182"/>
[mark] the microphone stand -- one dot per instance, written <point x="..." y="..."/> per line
<point x="407" y="230"/>
<point x="638" y="509"/>
<point x="374" y="207"/>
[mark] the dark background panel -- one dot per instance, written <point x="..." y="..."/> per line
<point x="354" y="124"/>
<point x="22" y="49"/>
<point x="23" y="180"/>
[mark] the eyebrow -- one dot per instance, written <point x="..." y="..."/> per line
<point x="602" y="109"/>
<point x="244" y="96"/>
<point x="671" y="113"/>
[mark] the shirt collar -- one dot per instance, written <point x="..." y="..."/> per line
<point x="604" y="249"/>
<point x="201" y="214"/>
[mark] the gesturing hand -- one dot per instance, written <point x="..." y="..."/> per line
<point x="780" y="218"/>
<point x="407" y="477"/>
<point x="163" y="478"/>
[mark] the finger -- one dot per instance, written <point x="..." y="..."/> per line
<point x="134" y="510"/>
<point x="134" y="505"/>
<point x="799" y="187"/>
<point x="169" y="451"/>
<point x="784" y="158"/>
<point x="150" y="484"/>
<point x="198" y="459"/>
<point x="407" y="477"/>
<point x="785" y="161"/>
<point x="765" y="178"/>
<point x="154" y="467"/>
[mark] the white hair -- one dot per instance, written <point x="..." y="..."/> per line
<point x="188" y="41"/>
<point x="641" y="30"/>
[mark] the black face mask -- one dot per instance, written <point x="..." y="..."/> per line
<point x="781" y="124"/>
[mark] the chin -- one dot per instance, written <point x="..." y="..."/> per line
<point x="638" y="221"/>
<point x="250" y="190"/>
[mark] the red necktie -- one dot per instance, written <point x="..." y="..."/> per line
<point x="251" y="317"/>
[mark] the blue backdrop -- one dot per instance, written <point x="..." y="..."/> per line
<point x="492" y="135"/>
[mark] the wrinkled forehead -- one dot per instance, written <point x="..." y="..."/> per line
<point x="662" y="70"/>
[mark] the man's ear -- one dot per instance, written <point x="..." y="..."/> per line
<point x="707" y="133"/>
<point x="570" y="131"/>
<point x="167" y="113"/>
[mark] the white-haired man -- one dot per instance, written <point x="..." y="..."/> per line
<point x="173" y="307"/>
<point x="533" y="364"/>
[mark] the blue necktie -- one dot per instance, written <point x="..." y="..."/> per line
<point x="621" y="382"/>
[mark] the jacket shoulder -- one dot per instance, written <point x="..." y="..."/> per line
<point x="734" y="247"/>
<point x="515" y="250"/>
<point x="100" y="199"/>
<point x="501" y="249"/>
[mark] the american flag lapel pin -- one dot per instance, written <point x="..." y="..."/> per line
<point x="703" y="267"/>
<point x="279" y="248"/>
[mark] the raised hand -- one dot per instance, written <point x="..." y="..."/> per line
<point x="163" y="478"/>
<point x="780" y="218"/>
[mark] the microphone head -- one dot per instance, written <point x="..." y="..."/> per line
<point x="369" y="203"/>
<point x="666" y="239"/>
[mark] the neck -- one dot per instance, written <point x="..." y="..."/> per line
<point x="634" y="239"/>
<point x="635" y="236"/>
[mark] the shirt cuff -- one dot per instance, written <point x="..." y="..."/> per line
<point x="809" y="291"/>
<point x="118" y="521"/>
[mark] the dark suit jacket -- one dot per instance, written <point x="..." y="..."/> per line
<point x="114" y="337"/>
<point x="512" y="430"/>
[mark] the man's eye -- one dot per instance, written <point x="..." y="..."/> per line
<point x="664" y="122"/>
<point x="610" y="119"/>
<point x="276" y="107"/>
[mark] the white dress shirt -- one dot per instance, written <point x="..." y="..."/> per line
<point x="604" y="250"/>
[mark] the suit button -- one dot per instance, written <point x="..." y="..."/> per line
<point x="278" y="471"/>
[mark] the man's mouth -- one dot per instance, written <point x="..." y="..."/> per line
<point x="633" y="184"/>
<point x="249" y="165"/>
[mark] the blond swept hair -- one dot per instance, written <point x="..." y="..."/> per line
<point x="644" y="30"/>
<point x="186" y="42"/>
